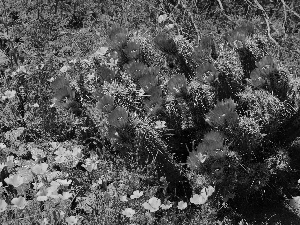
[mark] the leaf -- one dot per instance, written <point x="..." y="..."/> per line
<point x="3" y="58"/>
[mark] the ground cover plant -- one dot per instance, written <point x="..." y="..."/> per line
<point x="149" y="112"/>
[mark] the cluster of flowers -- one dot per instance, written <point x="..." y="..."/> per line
<point x="154" y="204"/>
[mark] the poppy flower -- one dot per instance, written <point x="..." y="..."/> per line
<point x="198" y="199"/>
<point x="3" y="205"/>
<point x="160" y="124"/>
<point x="136" y="194"/>
<point x="2" y="145"/>
<point x="182" y="205"/>
<point x="40" y="168"/>
<point x="162" y="18"/>
<point x="71" y="220"/>
<point x="64" y="182"/>
<point x="208" y="191"/>
<point x="177" y="85"/>
<point x="123" y="198"/>
<point x="153" y="204"/>
<point x="64" y="69"/>
<point x="19" y="202"/>
<point x="106" y="104"/>
<point x="118" y="117"/>
<point x="101" y="51"/>
<point x="9" y="94"/>
<point x="66" y="195"/>
<point x="168" y="205"/>
<point x="128" y="212"/>
<point x="15" y="180"/>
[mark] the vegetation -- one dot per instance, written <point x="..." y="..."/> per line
<point x="149" y="112"/>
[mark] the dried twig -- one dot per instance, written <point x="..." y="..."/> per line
<point x="266" y="17"/>
<point x="289" y="8"/>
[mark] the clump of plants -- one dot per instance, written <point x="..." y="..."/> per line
<point x="122" y="126"/>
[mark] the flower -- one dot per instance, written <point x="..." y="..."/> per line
<point x="3" y="205"/>
<point x="166" y="206"/>
<point x="118" y="117"/>
<point x="209" y="191"/>
<point x="45" y="221"/>
<point x="106" y="104"/>
<point x="123" y="198"/>
<point x="65" y="195"/>
<point x="162" y="18"/>
<point x="160" y="124"/>
<point x="64" y="182"/>
<point x="2" y="145"/>
<point x="198" y="199"/>
<point x="147" y="82"/>
<point x="153" y="204"/>
<point x="10" y="161"/>
<point x="223" y="113"/>
<point x="72" y="220"/>
<point x="128" y="212"/>
<point x="40" y="168"/>
<point x="102" y="51"/>
<point x="136" y="194"/>
<point x="15" y="180"/>
<point x="90" y="165"/>
<point x="177" y="85"/>
<point x="64" y="69"/>
<point x="132" y="50"/>
<point x="182" y="205"/>
<point x="19" y="202"/>
<point x="9" y="94"/>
